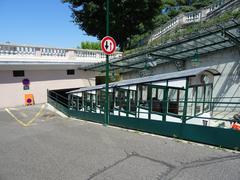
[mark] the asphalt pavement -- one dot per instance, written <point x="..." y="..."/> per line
<point x="47" y="146"/>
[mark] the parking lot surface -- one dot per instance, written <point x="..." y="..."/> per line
<point x="47" y="146"/>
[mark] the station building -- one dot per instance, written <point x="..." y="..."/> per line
<point x="214" y="43"/>
<point x="184" y="83"/>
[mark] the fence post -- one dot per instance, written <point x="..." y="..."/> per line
<point x="165" y="102"/>
<point x="185" y="101"/>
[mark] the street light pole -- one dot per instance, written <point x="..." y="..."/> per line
<point x="107" y="69"/>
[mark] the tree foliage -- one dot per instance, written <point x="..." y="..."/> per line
<point x="127" y="17"/>
<point x="169" y="9"/>
<point x="130" y="20"/>
<point x="90" y="45"/>
<point x="201" y="3"/>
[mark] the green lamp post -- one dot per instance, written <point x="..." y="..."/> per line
<point x="107" y="69"/>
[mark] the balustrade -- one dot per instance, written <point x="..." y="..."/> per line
<point x="22" y="50"/>
<point x="187" y="18"/>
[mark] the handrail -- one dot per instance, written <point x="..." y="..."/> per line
<point x="214" y="110"/>
<point x="57" y="100"/>
<point x="57" y="95"/>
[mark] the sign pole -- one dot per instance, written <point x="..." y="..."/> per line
<point x="107" y="69"/>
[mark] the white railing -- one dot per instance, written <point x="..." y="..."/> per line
<point x="217" y="5"/>
<point x="34" y="51"/>
<point x="187" y="18"/>
<point x="192" y="17"/>
<point x="165" y="28"/>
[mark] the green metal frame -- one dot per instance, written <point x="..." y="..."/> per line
<point x="166" y="103"/>
<point x="126" y="100"/>
<point x="220" y="137"/>
<point x="205" y="42"/>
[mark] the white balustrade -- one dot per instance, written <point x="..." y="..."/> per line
<point x="32" y="51"/>
<point x="187" y="18"/>
<point x="193" y="17"/>
<point x="217" y="4"/>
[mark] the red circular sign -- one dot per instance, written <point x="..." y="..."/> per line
<point x="108" y="45"/>
<point x="29" y="100"/>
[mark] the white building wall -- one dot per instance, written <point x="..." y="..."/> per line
<point x="227" y="62"/>
<point x="11" y="88"/>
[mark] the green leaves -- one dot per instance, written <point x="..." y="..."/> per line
<point x="130" y="20"/>
<point x="90" y="45"/>
<point x="127" y="18"/>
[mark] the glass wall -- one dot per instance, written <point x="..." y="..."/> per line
<point x="199" y="99"/>
<point x="147" y="101"/>
<point x="125" y="101"/>
<point x="176" y="97"/>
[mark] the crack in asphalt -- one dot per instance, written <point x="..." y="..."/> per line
<point x="172" y="171"/>
<point x="175" y="171"/>
<point x="129" y="155"/>
<point x="100" y="171"/>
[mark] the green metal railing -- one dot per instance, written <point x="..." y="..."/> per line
<point x="216" y="136"/>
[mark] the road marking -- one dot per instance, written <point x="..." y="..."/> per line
<point x="29" y="122"/>
<point x="23" y="114"/>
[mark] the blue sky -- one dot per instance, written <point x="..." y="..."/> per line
<point x="39" y="22"/>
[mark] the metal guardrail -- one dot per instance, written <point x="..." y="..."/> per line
<point x="58" y="98"/>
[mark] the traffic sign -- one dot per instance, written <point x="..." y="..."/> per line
<point x="108" y="45"/>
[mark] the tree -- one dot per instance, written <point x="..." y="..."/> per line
<point x="201" y="3"/>
<point x="90" y="45"/>
<point x="127" y="17"/>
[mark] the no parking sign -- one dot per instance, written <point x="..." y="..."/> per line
<point x="108" y="45"/>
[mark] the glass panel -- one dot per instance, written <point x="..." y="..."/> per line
<point x="133" y="102"/>
<point x="200" y="98"/>
<point x="102" y="100"/>
<point x="154" y="92"/>
<point x="93" y="102"/>
<point x="208" y="98"/>
<point x="87" y="101"/>
<point x="97" y="98"/>
<point x="143" y="96"/>
<point x="116" y="100"/>
<point x="80" y="103"/>
<point x="73" y="104"/>
<point x="111" y="101"/>
<point x="173" y="100"/>
<point x="157" y="100"/>
<point x="181" y="102"/>
<point x="191" y="100"/>
<point x="176" y="101"/>
<point x="122" y="99"/>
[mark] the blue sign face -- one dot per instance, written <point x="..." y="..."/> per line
<point x="26" y="82"/>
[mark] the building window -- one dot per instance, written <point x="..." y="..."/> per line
<point x="70" y="72"/>
<point x="18" y="73"/>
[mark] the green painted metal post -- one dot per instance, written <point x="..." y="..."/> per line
<point x="196" y="99"/>
<point x="107" y="69"/>
<point x="165" y="103"/>
<point x="211" y="100"/>
<point x="204" y="97"/>
<point x="185" y="102"/>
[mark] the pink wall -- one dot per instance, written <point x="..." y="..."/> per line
<point x="11" y="88"/>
